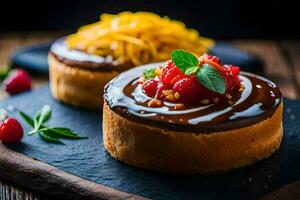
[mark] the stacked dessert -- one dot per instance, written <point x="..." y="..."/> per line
<point x="82" y="63"/>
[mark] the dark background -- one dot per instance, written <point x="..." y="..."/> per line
<point x="218" y="19"/>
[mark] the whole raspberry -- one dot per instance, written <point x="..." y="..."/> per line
<point x="17" y="81"/>
<point x="11" y="131"/>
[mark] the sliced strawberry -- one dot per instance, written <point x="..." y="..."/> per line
<point x="160" y="87"/>
<point x="170" y="71"/>
<point x="231" y="77"/>
<point x="189" y="89"/>
<point x="150" y="87"/>
<point x="215" y="59"/>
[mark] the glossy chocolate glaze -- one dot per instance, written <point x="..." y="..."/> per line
<point x="83" y="60"/>
<point x="257" y="102"/>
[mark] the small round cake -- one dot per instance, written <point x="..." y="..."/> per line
<point x="163" y="118"/>
<point x="82" y="63"/>
<point x="78" y="78"/>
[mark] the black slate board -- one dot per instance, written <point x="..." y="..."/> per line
<point x="35" y="58"/>
<point x="88" y="159"/>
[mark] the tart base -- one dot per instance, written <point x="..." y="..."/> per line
<point x="167" y="151"/>
<point x="77" y="86"/>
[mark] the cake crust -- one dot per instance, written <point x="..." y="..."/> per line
<point x="169" y="151"/>
<point x="76" y="86"/>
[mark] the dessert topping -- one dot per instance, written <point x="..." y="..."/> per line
<point x="187" y="79"/>
<point x="137" y="38"/>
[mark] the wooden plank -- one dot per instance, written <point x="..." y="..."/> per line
<point x="277" y="67"/>
<point x="43" y="178"/>
<point x="8" y="192"/>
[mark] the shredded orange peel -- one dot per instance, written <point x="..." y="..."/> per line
<point x="137" y="38"/>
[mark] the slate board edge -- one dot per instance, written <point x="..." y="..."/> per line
<point x="48" y="180"/>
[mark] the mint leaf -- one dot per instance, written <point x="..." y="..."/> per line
<point x="191" y="70"/>
<point x="50" y="137"/>
<point x="184" y="60"/>
<point x="47" y="133"/>
<point x="66" y="132"/>
<point x="210" y="78"/>
<point x="27" y="119"/>
<point x="40" y="117"/>
<point x="149" y="73"/>
<point x="45" y="114"/>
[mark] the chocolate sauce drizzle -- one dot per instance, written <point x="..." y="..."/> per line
<point x="83" y="60"/>
<point x="257" y="102"/>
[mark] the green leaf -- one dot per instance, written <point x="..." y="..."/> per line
<point x="45" y="114"/>
<point x="66" y="132"/>
<point x="47" y="133"/>
<point x="210" y="78"/>
<point x="60" y="132"/>
<point x="184" y="60"/>
<point x="50" y="137"/>
<point x="41" y="117"/>
<point x="149" y="73"/>
<point x="26" y="118"/>
<point x="191" y="70"/>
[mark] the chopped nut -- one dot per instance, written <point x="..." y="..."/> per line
<point x="228" y="96"/>
<point x="179" y="106"/>
<point x="158" y="71"/>
<point x="204" y="101"/>
<point x="167" y="92"/>
<point x="176" y="95"/>
<point x="216" y="100"/>
<point x="154" y="103"/>
<point x="170" y="97"/>
<point x="242" y="88"/>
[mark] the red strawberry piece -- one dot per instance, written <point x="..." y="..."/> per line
<point x="189" y="89"/>
<point x="160" y="88"/>
<point x="231" y="77"/>
<point x="215" y="59"/>
<point x="11" y="131"/>
<point x="150" y="87"/>
<point x="17" y="81"/>
<point x="170" y="71"/>
<point x="169" y="64"/>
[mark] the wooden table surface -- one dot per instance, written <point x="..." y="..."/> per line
<point x="281" y="59"/>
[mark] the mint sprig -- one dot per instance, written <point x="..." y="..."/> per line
<point x="49" y="134"/>
<point x="206" y="74"/>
